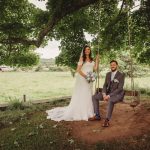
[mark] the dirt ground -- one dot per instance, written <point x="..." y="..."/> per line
<point x="125" y="123"/>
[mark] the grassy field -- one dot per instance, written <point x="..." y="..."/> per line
<point x="29" y="129"/>
<point x="36" y="85"/>
<point x="42" y="85"/>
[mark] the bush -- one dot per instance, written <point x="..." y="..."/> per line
<point x="39" y="68"/>
<point x="143" y="91"/>
<point x="57" y="69"/>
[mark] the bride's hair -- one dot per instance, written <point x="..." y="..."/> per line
<point x="84" y="55"/>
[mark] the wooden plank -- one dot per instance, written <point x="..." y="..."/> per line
<point x="41" y="101"/>
<point x="127" y="93"/>
<point x="132" y="93"/>
<point x="50" y="100"/>
<point x="3" y="106"/>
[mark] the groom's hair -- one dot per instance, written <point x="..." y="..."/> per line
<point x="114" y="62"/>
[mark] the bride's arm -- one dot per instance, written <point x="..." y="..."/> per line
<point x="79" y="67"/>
<point x="96" y="63"/>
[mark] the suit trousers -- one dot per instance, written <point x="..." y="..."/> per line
<point x="113" y="100"/>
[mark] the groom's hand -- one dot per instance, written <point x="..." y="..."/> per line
<point x="106" y="98"/>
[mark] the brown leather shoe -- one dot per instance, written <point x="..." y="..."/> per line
<point x="95" y="118"/>
<point x="106" y="123"/>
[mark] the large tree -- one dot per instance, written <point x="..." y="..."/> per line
<point x="57" y="10"/>
<point x="23" y="26"/>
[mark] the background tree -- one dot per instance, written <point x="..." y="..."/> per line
<point x="17" y="20"/>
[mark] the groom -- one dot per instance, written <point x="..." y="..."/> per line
<point x="112" y="92"/>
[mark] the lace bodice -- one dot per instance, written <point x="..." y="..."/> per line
<point x="88" y="67"/>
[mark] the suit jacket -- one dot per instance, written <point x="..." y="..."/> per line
<point x="115" y="87"/>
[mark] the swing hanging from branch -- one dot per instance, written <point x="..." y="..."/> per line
<point x="135" y="95"/>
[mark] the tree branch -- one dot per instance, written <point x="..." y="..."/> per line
<point x="74" y="6"/>
<point x="123" y="2"/>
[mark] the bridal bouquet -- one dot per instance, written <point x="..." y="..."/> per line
<point x="91" y="77"/>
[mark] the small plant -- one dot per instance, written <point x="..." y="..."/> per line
<point x="148" y="93"/>
<point x="143" y="90"/>
<point x="15" y="103"/>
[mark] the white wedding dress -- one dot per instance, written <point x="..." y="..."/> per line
<point x="81" y="106"/>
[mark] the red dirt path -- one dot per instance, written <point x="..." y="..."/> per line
<point x="125" y="123"/>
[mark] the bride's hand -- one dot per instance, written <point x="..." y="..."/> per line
<point x="85" y="76"/>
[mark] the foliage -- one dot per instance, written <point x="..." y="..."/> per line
<point x="114" y="36"/>
<point x="68" y="21"/>
<point x="71" y="33"/>
<point x="113" y="32"/>
<point x="141" y="33"/>
<point x="17" y="19"/>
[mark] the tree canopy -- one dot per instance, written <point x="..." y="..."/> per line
<point x="23" y="27"/>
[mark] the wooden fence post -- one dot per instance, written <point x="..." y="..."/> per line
<point x="24" y="98"/>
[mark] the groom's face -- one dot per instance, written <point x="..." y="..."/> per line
<point x="113" y="66"/>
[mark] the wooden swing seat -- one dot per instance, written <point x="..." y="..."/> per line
<point x="135" y="95"/>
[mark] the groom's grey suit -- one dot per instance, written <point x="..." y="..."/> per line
<point x="113" y="88"/>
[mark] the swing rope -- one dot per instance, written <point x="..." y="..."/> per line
<point x="97" y="86"/>
<point x="130" y="51"/>
<point x="134" y="102"/>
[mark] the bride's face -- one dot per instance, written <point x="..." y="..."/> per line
<point x="87" y="51"/>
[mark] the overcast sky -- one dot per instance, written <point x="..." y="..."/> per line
<point x="52" y="49"/>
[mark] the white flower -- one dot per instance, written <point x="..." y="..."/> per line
<point x="91" y="77"/>
<point x="115" y="80"/>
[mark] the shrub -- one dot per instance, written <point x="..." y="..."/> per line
<point x="15" y="103"/>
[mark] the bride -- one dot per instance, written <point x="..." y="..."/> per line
<point x="81" y="106"/>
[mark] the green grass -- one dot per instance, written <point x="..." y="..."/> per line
<point x="29" y="129"/>
<point x="42" y="85"/>
<point x="36" y="85"/>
